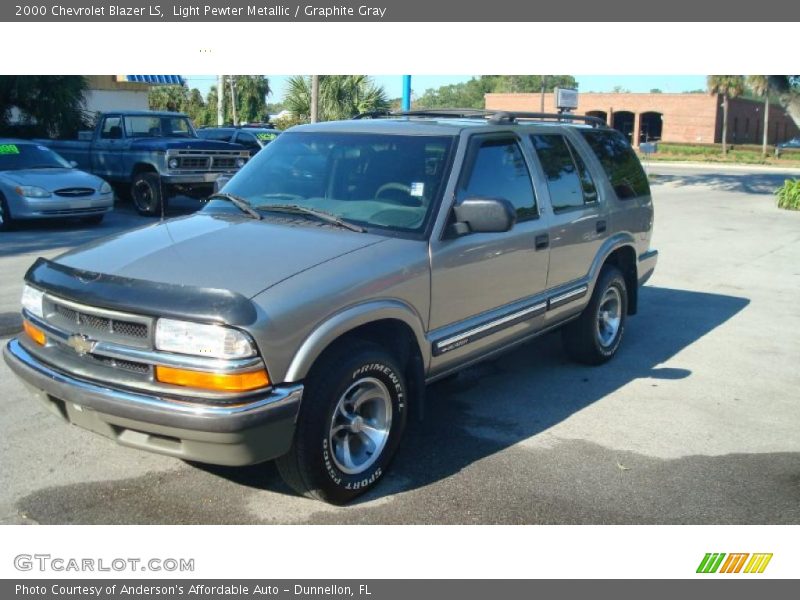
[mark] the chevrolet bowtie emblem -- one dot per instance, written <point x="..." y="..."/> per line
<point x="81" y="344"/>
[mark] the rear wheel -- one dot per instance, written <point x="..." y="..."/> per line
<point x="595" y="336"/>
<point x="351" y="420"/>
<point x="147" y="194"/>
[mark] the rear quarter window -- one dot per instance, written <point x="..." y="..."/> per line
<point x="620" y="163"/>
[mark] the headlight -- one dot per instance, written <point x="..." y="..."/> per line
<point x="32" y="191"/>
<point x="173" y="163"/>
<point x="105" y="188"/>
<point x="202" y="340"/>
<point x="240" y="162"/>
<point x="32" y="300"/>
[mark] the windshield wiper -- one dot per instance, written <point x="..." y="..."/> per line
<point x="238" y="202"/>
<point x="313" y="212"/>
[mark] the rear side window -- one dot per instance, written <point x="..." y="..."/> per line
<point x="568" y="180"/>
<point x="498" y="170"/>
<point x="112" y="128"/>
<point x="619" y="162"/>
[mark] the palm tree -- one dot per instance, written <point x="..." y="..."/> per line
<point x="340" y="96"/>
<point x="729" y="86"/>
<point x="760" y="86"/>
<point x="251" y="97"/>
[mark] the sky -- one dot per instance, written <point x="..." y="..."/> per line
<point x="419" y="83"/>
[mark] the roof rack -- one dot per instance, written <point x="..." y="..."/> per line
<point x="493" y="116"/>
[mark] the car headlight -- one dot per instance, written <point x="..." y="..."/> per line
<point x="199" y="339"/>
<point x="240" y="162"/>
<point x="105" y="188"/>
<point x="173" y="163"/>
<point x="32" y="300"/>
<point x="32" y="191"/>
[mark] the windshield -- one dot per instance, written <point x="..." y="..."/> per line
<point x="382" y="181"/>
<point x="29" y="156"/>
<point x="157" y="126"/>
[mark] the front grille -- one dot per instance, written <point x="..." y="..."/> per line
<point x="73" y="211"/>
<point x="84" y="322"/>
<point x="205" y="160"/>
<point x="224" y="162"/>
<point x="194" y="162"/>
<point x="126" y="365"/>
<point x="74" y="192"/>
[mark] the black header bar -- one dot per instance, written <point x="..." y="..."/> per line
<point x="406" y="11"/>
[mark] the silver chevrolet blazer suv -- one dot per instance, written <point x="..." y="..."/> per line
<point x="300" y="314"/>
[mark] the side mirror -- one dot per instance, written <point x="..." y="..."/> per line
<point x="484" y="215"/>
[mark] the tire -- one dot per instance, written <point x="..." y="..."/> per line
<point x="147" y="194"/>
<point x="6" y="221"/>
<point x="94" y="219"/>
<point x="595" y="336"/>
<point x="317" y="464"/>
<point x="122" y="191"/>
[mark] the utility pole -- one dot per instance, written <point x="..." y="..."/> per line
<point x="314" y="98"/>
<point x="544" y="87"/>
<point x="220" y="98"/>
<point x="233" y="100"/>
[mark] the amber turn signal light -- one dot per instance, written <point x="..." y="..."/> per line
<point x="36" y="334"/>
<point x="222" y="382"/>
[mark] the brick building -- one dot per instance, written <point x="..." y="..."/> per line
<point x="679" y="118"/>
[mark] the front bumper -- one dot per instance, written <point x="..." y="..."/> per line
<point x="56" y="208"/>
<point x="259" y="430"/>
<point x="194" y="178"/>
<point x="647" y="264"/>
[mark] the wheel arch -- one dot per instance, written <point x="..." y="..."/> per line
<point x="143" y="167"/>
<point x="621" y="253"/>
<point x="391" y="323"/>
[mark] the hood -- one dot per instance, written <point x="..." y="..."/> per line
<point x="217" y="251"/>
<point x="53" y="179"/>
<point x="159" y="143"/>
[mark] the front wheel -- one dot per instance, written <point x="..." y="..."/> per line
<point x="595" y="336"/>
<point x="147" y="195"/>
<point x="351" y="421"/>
<point x="6" y="221"/>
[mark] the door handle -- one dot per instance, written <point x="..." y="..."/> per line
<point x="542" y="241"/>
<point x="600" y="226"/>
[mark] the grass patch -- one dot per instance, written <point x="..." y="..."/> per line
<point x="789" y="194"/>
<point x="737" y="154"/>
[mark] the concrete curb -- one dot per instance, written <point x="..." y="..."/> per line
<point x="653" y="165"/>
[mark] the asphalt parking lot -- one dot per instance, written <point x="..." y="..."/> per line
<point x="697" y="420"/>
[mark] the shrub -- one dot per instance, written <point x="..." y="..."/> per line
<point x="789" y="194"/>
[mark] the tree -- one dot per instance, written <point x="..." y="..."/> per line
<point x="251" y="97"/>
<point x="48" y="105"/>
<point x="656" y="91"/>
<point x="470" y="94"/>
<point x="168" y="97"/>
<point x="340" y="96"/>
<point x="787" y="89"/>
<point x="760" y="86"/>
<point x="618" y="89"/>
<point x="728" y="86"/>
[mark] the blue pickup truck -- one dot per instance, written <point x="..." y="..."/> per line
<point x="151" y="157"/>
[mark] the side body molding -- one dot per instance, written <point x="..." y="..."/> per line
<point x="347" y="320"/>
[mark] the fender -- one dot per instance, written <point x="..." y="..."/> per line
<point x="348" y="319"/>
<point x="614" y="242"/>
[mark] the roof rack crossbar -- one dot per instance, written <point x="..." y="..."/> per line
<point x="493" y="116"/>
